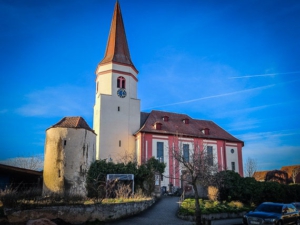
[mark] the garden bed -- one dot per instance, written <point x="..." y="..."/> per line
<point x="212" y="210"/>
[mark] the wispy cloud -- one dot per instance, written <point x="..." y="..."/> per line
<point x="244" y="111"/>
<point x="215" y="96"/>
<point x="264" y="75"/>
<point x="269" y="135"/>
<point x="58" y="101"/>
<point x="270" y="156"/>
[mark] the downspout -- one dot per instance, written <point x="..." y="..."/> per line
<point x="225" y="157"/>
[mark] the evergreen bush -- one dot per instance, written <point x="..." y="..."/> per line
<point x="143" y="175"/>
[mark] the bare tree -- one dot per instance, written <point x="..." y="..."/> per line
<point x="125" y="157"/>
<point x="250" y="167"/>
<point x="295" y="173"/>
<point x="32" y="163"/>
<point x="200" y="166"/>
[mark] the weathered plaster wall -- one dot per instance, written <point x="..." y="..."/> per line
<point x="81" y="213"/>
<point x="68" y="155"/>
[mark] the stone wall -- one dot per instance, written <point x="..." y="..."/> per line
<point x="78" y="214"/>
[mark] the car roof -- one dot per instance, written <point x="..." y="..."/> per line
<point x="273" y="203"/>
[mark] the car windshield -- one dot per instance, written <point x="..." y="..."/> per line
<point x="269" y="208"/>
<point x="297" y="205"/>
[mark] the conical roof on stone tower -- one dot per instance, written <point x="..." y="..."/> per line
<point x="73" y="122"/>
<point x="117" y="49"/>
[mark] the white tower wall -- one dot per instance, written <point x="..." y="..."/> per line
<point x="116" y="119"/>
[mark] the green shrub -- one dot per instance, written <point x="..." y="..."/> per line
<point x="143" y="174"/>
<point x="251" y="192"/>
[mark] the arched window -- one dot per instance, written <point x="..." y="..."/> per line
<point x="121" y="82"/>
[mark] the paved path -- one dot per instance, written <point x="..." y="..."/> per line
<point x="162" y="212"/>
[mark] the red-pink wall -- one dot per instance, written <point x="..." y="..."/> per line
<point x="221" y="152"/>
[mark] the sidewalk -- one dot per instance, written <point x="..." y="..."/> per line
<point x="162" y="212"/>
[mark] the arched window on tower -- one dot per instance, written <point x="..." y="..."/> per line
<point x="121" y="82"/>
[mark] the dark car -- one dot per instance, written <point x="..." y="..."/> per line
<point x="297" y="205"/>
<point x="272" y="213"/>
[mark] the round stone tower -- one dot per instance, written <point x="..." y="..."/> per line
<point x="70" y="148"/>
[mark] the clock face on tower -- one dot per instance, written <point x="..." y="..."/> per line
<point x="121" y="93"/>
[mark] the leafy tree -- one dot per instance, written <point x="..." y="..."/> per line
<point x="146" y="173"/>
<point x="251" y="191"/>
<point x="230" y="185"/>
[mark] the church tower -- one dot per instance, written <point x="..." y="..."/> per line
<point x="116" y="109"/>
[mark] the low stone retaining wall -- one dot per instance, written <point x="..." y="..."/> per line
<point x="214" y="216"/>
<point x="77" y="214"/>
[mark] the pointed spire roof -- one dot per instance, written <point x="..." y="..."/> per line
<point x="117" y="48"/>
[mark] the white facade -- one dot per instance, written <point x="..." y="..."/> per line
<point x="232" y="158"/>
<point x="116" y="119"/>
<point x="68" y="154"/>
<point x="166" y="178"/>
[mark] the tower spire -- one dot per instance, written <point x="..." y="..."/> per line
<point x="117" y="48"/>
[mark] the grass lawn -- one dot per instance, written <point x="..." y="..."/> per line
<point x="187" y="207"/>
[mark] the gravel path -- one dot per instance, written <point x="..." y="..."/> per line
<point x="162" y="212"/>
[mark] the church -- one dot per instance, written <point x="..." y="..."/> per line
<point x="121" y="130"/>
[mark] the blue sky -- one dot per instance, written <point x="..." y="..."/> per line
<point x="236" y="63"/>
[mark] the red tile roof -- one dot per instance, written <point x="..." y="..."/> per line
<point x="176" y="126"/>
<point x="261" y="175"/>
<point x="117" y="47"/>
<point x="289" y="170"/>
<point x="73" y="122"/>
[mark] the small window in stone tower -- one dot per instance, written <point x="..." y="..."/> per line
<point x="65" y="142"/>
<point x="58" y="173"/>
<point x="119" y="108"/>
<point x="119" y="143"/>
<point x="121" y="82"/>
